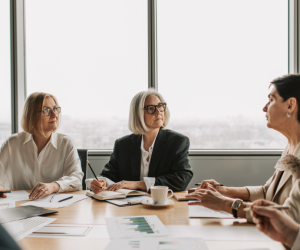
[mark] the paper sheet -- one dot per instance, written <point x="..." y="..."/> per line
<point x="203" y="212"/>
<point x="22" y="228"/>
<point x="45" y="202"/>
<point x="58" y="230"/>
<point x="157" y="243"/>
<point x="124" y="202"/>
<point x="135" y="226"/>
<point x="213" y="233"/>
<point x="7" y="204"/>
<point x="16" y="196"/>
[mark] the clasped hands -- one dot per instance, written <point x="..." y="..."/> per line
<point x="211" y="195"/>
<point x="97" y="186"/>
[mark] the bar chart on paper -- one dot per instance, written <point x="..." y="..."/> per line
<point x="135" y="226"/>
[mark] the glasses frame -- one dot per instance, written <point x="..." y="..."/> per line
<point x="155" y="106"/>
<point x="55" y="111"/>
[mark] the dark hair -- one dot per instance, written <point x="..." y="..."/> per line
<point x="288" y="86"/>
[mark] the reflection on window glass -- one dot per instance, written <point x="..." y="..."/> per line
<point x="91" y="55"/>
<point x="216" y="60"/>
<point x="5" y="94"/>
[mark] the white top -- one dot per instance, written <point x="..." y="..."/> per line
<point x="21" y="168"/>
<point x="149" y="181"/>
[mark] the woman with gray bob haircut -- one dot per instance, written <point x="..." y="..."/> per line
<point x="152" y="155"/>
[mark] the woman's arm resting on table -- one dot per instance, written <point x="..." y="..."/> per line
<point x="212" y="199"/>
<point x="231" y="192"/>
<point x="274" y="223"/>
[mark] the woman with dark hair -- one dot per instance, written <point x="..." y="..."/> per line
<point x="282" y="113"/>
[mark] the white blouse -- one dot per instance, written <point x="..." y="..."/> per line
<point x="21" y="167"/>
<point x="149" y="181"/>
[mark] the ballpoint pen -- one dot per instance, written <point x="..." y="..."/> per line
<point x="66" y="199"/>
<point x="52" y="198"/>
<point x="279" y="207"/>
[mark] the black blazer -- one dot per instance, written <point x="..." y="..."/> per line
<point x="169" y="161"/>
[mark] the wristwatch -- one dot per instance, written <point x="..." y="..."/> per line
<point x="235" y="207"/>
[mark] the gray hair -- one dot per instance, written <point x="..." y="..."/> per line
<point x="136" y="123"/>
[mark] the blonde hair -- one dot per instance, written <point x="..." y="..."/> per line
<point x="136" y="123"/>
<point x="32" y="117"/>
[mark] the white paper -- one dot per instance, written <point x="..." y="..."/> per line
<point x="16" y="196"/>
<point x="157" y="243"/>
<point x="96" y="232"/>
<point x="133" y="200"/>
<point x="21" y="228"/>
<point x="223" y="233"/>
<point x="6" y="204"/>
<point x="203" y="212"/>
<point x="45" y="202"/>
<point x="135" y="226"/>
<point x="74" y="230"/>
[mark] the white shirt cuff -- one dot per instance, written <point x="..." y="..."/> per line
<point x="109" y="182"/>
<point x="149" y="181"/>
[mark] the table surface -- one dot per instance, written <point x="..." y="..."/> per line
<point x="91" y="211"/>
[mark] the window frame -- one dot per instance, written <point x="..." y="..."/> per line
<point x="18" y="66"/>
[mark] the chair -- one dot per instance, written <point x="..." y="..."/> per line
<point x="83" y="158"/>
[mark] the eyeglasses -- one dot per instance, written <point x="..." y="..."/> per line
<point x="49" y="111"/>
<point x="151" y="109"/>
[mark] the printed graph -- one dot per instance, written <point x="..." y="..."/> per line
<point x="135" y="226"/>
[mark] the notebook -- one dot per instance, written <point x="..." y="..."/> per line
<point x="118" y="194"/>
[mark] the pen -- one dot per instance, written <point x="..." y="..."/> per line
<point x="92" y="170"/>
<point x="198" y="184"/>
<point x="279" y="207"/>
<point x="52" y="198"/>
<point x="66" y="199"/>
<point x="5" y="192"/>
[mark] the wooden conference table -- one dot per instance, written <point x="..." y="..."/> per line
<point x="90" y="211"/>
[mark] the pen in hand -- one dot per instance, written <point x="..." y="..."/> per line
<point x="199" y="184"/>
<point x="279" y="207"/>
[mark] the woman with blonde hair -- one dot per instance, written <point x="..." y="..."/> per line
<point x="152" y="155"/>
<point x="39" y="159"/>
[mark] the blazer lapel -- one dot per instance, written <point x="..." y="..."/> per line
<point x="158" y="150"/>
<point x="286" y="175"/>
<point x="135" y="157"/>
<point x="271" y="189"/>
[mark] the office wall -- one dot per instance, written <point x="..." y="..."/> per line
<point x="229" y="170"/>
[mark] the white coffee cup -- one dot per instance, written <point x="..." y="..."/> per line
<point x="159" y="194"/>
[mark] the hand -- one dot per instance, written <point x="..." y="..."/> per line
<point x="2" y="195"/>
<point x="43" y="189"/>
<point x="274" y="223"/>
<point x="127" y="184"/>
<point x="97" y="186"/>
<point x="209" y="198"/>
<point x="215" y="184"/>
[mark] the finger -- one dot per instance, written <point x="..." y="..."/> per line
<point x="34" y="189"/>
<point x="195" y="203"/>
<point x="266" y="211"/>
<point x="194" y="197"/>
<point x="263" y="203"/>
<point x="38" y="192"/>
<point x="42" y="194"/>
<point x="3" y="196"/>
<point x="210" y="187"/>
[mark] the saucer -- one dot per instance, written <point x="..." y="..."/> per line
<point x="149" y="202"/>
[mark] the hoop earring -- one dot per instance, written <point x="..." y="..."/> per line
<point x="288" y="115"/>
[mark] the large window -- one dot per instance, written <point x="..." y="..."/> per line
<point x="92" y="55"/>
<point x="216" y="59"/>
<point x="5" y="92"/>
